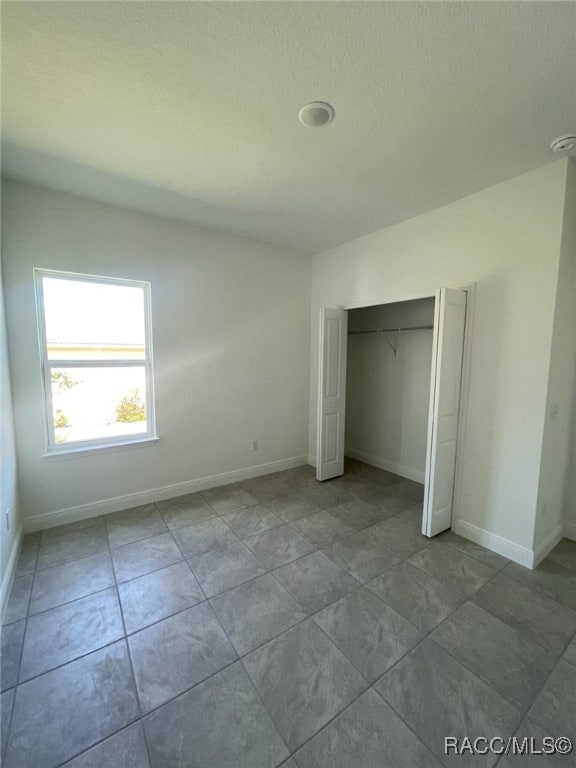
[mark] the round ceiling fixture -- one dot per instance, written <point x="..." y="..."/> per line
<point x="317" y="114"/>
<point x="564" y="145"/>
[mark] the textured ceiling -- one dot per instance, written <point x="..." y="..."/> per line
<point x="190" y="109"/>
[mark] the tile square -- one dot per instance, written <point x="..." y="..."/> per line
<point x="513" y="665"/>
<point x="64" y="583"/>
<point x="224" y="568"/>
<point x="551" y="579"/>
<point x="157" y="595"/>
<point x="28" y="538"/>
<point x="322" y="528"/>
<point x="436" y="696"/>
<point x="362" y="557"/>
<point x="537" y="617"/>
<point x="369" y="633"/>
<point x="366" y="735"/>
<point x="203" y="537"/>
<point x="303" y="681"/>
<point x="391" y="502"/>
<point x="256" y="611"/>
<point x="266" y="487"/>
<point x="410" y="488"/>
<point x="17" y="605"/>
<point x="253" y="520"/>
<point x="292" y="506"/>
<point x="185" y="510"/>
<point x="12" y="639"/>
<point x="570" y="654"/>
<point x="220" y="723"/>
<point x="399" y="534"/>
<point x="88" y="700"/>
<point x="424" y="601"/>
<point x="143" y="556"/>
<point x="125" y="749"/>
<point x="356" y="484"/>
<point x="133" y="524"/>
<point x="555" y="708"/>
<point x="27" y="558"/>
<point x="177" y="653"/>
<point x="279" y="546"/>
<point x="69" y="631"/>
<point x="79" y="525"/>
<point x="56" y="550"/>
<point x="323" y="495"/>
<point x="301" y="475"/>
<point x="379" y="476"/>
<point x="315" y="581"/>
<point x="229" y="498"/>
<point x="452" y="567"/>
<point x="475" y="551"/>
<point x="564" y="554"/>
<point x="6" y="702"/>
<point x="358" y="514"/>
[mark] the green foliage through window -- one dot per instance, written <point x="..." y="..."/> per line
<point x="60" y="419"/>
<point x="131" y="408"/>
<point x="62" y="380"/>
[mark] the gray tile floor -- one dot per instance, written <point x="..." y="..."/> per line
<point x="281" y="622"/>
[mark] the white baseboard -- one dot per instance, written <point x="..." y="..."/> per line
<point x="6" y="585"/>
<point x="129" y="500"/>
<point x="547" y="545"/>
<point x="569" y="531"/>
<point x="495" y="543"/>
<point x="377" y="461"/>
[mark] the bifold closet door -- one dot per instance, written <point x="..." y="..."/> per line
<point x="447" y="353"/>
<point x="331" y="393"/>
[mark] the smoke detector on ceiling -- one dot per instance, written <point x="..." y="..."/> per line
<point x="317" y="114"/>
<point x="564" y="145"/>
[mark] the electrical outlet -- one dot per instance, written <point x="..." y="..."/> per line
<point x="254" y="445"/>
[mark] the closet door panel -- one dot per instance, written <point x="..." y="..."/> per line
<point x="450" y="318"/>
<point x="331" y="393"/>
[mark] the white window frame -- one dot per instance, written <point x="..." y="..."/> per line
<point x="94" y="444"/>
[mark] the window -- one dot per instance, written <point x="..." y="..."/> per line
<point x="96" y="350"/>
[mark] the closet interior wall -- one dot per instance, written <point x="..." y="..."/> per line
<point x="388" y="393"/>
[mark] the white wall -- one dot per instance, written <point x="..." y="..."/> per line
<point x="231" y="345"/>
<point x="9" y="534"/>
<point x="557" y="495"/>
<point x="507" y="240"/>
<point x="387" y="395"/>
<point x="570" y="485"/>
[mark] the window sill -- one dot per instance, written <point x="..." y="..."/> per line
<point x="70" y="453"/>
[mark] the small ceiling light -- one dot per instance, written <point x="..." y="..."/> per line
<point x="317" y="114"/>
<point x="564" y="145"/>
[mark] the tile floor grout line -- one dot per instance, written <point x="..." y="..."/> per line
<point x="534" y="640"/>
<point x="535" y="587"/>
<point x="132" y="673"/>
<point x="100" y="741"/>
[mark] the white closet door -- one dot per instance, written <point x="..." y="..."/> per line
<point x="447" y="351"/>
<point x="331" y="393"/>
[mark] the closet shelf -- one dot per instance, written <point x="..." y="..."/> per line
<point x="395" y="330"/>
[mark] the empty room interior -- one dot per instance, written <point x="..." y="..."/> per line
<point x="288" y="384"/>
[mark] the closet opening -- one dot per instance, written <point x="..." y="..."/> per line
<point x="389" y="394"/>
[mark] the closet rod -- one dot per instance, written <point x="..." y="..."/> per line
<point x="395" y="330"/>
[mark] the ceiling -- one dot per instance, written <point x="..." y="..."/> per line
<point x="190" y="109"/>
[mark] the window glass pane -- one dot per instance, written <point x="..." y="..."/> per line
<point x="86" y="320"/>
<point x="96" y="403"/>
